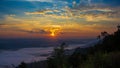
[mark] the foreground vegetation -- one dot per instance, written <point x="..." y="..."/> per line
<point x="104" y="54"/>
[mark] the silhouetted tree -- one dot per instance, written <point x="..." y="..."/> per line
<point x="99" y="37"/>
<point x="22" y="65"/>
<point x="58" y="59"/>
<point x="104" y="34"/>
<point x="118" y="27"/>
<point x="77" y="58"/>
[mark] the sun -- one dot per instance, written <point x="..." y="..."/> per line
<point x="53" y="30"/>
<point x="52" y="34"/>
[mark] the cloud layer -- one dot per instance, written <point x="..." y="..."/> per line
<point x="62" y="17"/>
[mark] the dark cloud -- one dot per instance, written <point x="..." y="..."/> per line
<point x="43" y="32"/>
<point x="38" y="31"/>
<point x="1" y="24"/>
<point x="12" y="28"/>
<point x="112" y="2"/>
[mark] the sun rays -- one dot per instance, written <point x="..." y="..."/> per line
<point x="54" y="30"/>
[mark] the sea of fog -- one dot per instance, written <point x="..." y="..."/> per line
<point x="10" y="57"/>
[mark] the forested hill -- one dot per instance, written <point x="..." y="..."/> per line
<point x="109" y="43"/>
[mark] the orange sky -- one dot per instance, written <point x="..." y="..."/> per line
<point x="57" y="20"/>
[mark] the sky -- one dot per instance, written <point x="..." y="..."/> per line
<point x="58" y="18"/>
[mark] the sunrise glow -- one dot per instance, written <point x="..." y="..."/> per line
<point x="62" y="18"/>
<point x="53" y="31"/>
<point x="45" y="31"/>
<point x="52" y="34"/>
